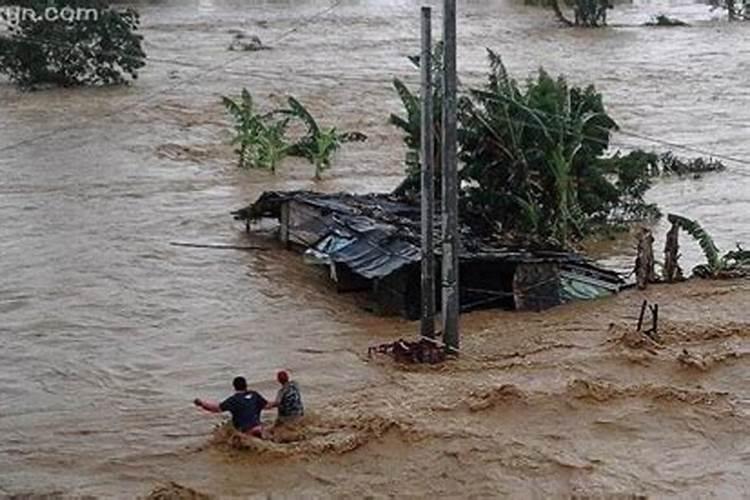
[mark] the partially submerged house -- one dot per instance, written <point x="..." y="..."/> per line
<point x="372" y="243"/>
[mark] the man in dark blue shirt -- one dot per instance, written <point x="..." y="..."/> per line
<point x="244" y="405"/>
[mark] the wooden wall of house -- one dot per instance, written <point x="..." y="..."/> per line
<point x="536" y="286"/>
<point x="398" y="293"/>
<point x="486" y="284"/>
<point x="284" y="224"/>
<point x="348" y="281"/>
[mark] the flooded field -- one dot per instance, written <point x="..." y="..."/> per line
<point x="107" y="332"/>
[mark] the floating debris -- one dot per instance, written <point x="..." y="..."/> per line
<point x="247" y="43"/>
<point x="423" y="351"/>
<point x="673" y="165"/>
<point x="662" y="20"/>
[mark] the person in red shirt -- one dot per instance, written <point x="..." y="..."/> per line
<point x="288" y="399"/>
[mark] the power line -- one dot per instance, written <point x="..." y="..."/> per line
<point x="639" y="136"/>
<point x="254" y="74"/>
<point x="684" y="147"/>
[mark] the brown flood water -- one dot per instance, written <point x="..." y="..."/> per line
<point x="107" y="332"/>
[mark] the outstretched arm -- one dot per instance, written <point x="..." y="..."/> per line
<point x="207" y="405"/>
<point x="274" y="403"/>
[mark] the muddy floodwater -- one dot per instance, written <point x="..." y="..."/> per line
<point x="107" y="332"/>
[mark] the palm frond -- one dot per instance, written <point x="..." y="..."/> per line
<point x="399" y="122"/>
<point x="298" y="110"/>
<point x="409" y="100"/>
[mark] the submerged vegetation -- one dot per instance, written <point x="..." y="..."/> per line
<point x="101" y="48"/>
<point x="737" y="10"/>
<point x="668" y="164"/>
<point x="586" y="13"/>
<point x="529" y="154"/>
<point x="261" y="137"/>
<point x="593" y="13"/>
<point x="260" y="141"/>
<point x="535" y="161"/>
<point x="319" y="144"/>
<point x="533" y="156"/>
<point x="665" y="21"/>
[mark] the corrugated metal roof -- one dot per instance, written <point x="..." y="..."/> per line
<point x="375" y="257"/>
<point x="386" y="233"/>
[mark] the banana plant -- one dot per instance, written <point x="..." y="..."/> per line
<point x="272" y="146"/>
<point x="261" y="139"/>
<point x="732" y="264"/>
<point x="248" y="126"/>
<point x="714" y="263"/>
<point x="563" y="194"/>
<point x="411" y="123"/>
<point x="319" y="144"/>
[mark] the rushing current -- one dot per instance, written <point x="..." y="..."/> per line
<point x="107" y="331"/>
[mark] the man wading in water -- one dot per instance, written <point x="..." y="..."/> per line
<point x="288" y="400"/>
<point x="244" y="405"/>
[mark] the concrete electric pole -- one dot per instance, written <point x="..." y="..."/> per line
<point x="427" y="326"/>
<point x="450" y="295"/>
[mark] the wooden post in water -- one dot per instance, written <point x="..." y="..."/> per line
<point x="450" y="298"/>
<point x="644" y="262"/>
<point x="427" y="327"/>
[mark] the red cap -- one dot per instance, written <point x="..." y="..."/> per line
<point x="282" y="377"/>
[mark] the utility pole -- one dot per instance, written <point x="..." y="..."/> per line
<point x="427" y="326"/>
<point x="450" y="298"/>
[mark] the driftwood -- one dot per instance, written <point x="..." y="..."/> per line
<point x="644" y="261"/>
<point x="217" y="246"/>
<point x="404" y="351"/>
<point x="649" y="339"/>
<point x="247" y="43"/>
